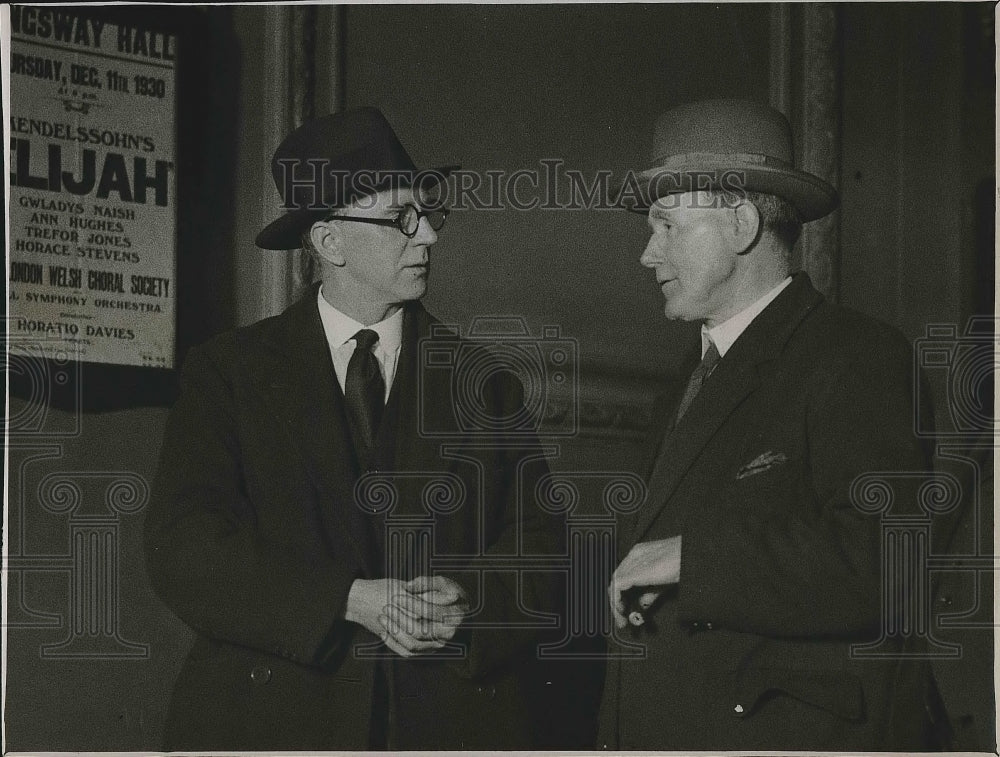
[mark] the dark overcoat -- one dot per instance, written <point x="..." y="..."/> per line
<point x="780" y="563"/>
<point x="255" y="535"/>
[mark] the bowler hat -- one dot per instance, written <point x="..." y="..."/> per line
<point x="329" y="162"/>
<point x="727" y="144"/>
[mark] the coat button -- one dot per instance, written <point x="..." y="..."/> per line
<point x="708" y="626"/>
<point x="738" y="709"/>
<point x="260" y="674"/>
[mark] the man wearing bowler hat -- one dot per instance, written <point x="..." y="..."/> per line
<point x="294" y="451"/>
<point x="751" y="575"/>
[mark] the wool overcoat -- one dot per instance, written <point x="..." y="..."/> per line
<point x="775" y="479"/>
<point x="261" y="519"/>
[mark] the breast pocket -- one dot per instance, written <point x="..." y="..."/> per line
<point x="774" y="486"/>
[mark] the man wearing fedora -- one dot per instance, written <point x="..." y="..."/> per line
<point x="297" y="445"/>
<point x="751" y="575"/>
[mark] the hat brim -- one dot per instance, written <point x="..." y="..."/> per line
<point x="285" y="232"/>
<point x="811" y="196"/>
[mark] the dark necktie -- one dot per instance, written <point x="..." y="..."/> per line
<point x="697" y="379"/>
<point x="364" y="393"/>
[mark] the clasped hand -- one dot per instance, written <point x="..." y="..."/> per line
<point x="411" y="617"/>
<point x="653" y="564"/>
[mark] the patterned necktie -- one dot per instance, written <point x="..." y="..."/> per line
<point x="698" y="377"/>
<point x="364" y="393"/>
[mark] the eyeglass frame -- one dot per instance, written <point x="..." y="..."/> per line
<point x="397" y="222"/>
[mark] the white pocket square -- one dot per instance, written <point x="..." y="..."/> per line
<point x="761" y="463"/>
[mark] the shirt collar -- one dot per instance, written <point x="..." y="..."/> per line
<point x="341" y="328"/>
<point x="726" y="333"/>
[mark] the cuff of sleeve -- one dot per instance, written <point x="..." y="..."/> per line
<point x="333" y="646"/>
<point x="698" y="564"/>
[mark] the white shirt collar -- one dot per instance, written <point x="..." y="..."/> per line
<point x="341" y="328"/>
<point x="726" y="333"/>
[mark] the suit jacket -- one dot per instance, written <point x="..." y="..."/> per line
<point x="254" y="537"/>
<point x="780" y="572"/>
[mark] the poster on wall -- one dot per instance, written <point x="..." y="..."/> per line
<point x="92" y="203"/>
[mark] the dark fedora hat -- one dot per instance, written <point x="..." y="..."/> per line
<point x="727" y="144"/>
<point x="329" y="162"/>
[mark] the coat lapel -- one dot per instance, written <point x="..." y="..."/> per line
<point x="399" y="432"/>
<point x="415" y="457"/>
<point x="735" y="378"/>
<point x="726" y="388"/>
<point x="304" y="388"/>
<point x="422" y="396"/>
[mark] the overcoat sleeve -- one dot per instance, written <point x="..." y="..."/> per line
<point x="206" y="557"/>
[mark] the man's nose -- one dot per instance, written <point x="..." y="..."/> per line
<point x="652" y="255"/>
<point x="425" y="234"/>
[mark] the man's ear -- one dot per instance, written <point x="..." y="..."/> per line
<point x="327" y="240"/>
<point x="746" y="226"/>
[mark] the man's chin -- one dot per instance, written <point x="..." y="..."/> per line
<point x="673" y="313"/>
<point x="417" y="291"/>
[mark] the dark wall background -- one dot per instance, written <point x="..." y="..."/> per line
<point x="504" y="87"/>
<point x="917" y="148"/>
<point x="500" y="88"/>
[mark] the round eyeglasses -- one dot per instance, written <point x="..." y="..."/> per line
<point x="407" y="220"/>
